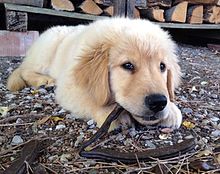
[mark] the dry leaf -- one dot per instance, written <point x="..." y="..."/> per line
<point x="205" y="152"/>
<point x="34" y="91"/>
<point x="56" y="118"/>
<point x="4" y="111"/>
<point x="188" y="124"/>
<point x="43" y="120"/>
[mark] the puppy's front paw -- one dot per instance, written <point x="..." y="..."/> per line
<point x="174" y="118"/>
<point x="124" y="121"/>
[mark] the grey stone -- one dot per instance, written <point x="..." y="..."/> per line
<point x="187" y="110"/>
<point x="16" y="140"/>
<point x="215" y="133"/>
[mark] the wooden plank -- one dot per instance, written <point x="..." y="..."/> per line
<point x="205" y="2"/>
<point x="206" y="27"/>
<point x="65" y="5"/>
<point x="36" y="3"/>
<point x="16" y="43"/>
<point x="16" y="21"/>
<point x="130" y="8"/>
<point x="177" y="13"/>
<point x="119" y="7"/>
<point x="44" y="11"/>
<point x="195" y="14"/>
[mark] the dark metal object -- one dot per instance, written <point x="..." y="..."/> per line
<point x="131" y="157"/>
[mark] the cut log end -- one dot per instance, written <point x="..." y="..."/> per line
<point x="90" y="7"/>
<point x="65" y="5"/>
<point x="177" y="13"/>
<point x="195" y="14"/>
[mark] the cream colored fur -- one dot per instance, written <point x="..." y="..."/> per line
<point x="85" y="64"/>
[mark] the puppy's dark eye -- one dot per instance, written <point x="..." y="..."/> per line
<point x="162" y="67"/>
<point x="128" y="66"/>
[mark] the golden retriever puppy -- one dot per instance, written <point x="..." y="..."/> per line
<point x="131" y="62"/>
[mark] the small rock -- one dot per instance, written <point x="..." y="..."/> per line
<point x="132" y="132"/>
<point x="90" y="122"/>
<point x="164" y="136"/>
<point x="188" y="137"/>
<point x="149" y="144"/>
<point x="38" y="106"/>
<point x="79" y="140"/>
<point x="215" y="133"/>
<point x="19" y="121"/>
<point x="16" y="140"/>
<point x="120" y="137"/>
<point x="166" y="130"/>
<point x="65" y="157"/>
<point x="214" y="119"/>
<point x="214" y="96"/>
<point x="42" y="90"/>
<point x="60" y="126"/>
<point x="61" y="111"/>
<point x="187" y="110"/>
<point x="10" y="96"/>
<point x="53" y="158"/>
<point x="71" y="117"/>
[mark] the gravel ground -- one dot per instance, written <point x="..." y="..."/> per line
<point x="33" y="113"/>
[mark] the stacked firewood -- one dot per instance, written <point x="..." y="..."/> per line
<point x="175" y="11"/>
<point x="181" y="11"/>
<point x="94" y="7"/>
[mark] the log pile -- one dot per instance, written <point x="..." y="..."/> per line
<point x="181" y="11"/>
<point x="17" y="13"/>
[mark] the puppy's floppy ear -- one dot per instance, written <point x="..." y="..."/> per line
<point x="170" y="85"/>
<point x="173" y="78"/>
<point x="92" y="73"/>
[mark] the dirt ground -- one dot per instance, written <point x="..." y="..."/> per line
<point x="33" y="114"/>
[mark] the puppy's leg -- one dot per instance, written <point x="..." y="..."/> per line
<point x="36" y="79"/>
<point x="174" y="118"/>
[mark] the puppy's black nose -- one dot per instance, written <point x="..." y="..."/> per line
<point x="156" y="102"/>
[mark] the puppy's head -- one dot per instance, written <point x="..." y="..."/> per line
<point x="136" y="66"/>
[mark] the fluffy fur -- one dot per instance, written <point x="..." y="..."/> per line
<point x="85" y="63"/>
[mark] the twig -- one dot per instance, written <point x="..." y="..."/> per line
<point x="11" y="149"/>
<point x="15" y="124"/>
<point x="14" y="118"/>
<point x="47" y="168"/>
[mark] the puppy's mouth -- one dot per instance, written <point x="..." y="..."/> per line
<point x="151" y="118"/>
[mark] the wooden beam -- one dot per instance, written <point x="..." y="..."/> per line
<point x="44" y="11"/>
<point x="130" y="10"/>
<point x="195" y="14"/>
<point x="177" y="13"/>
<point x="206" y="2"/>
<point x="16" y="21"/>
<point x="36" y="3"/>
